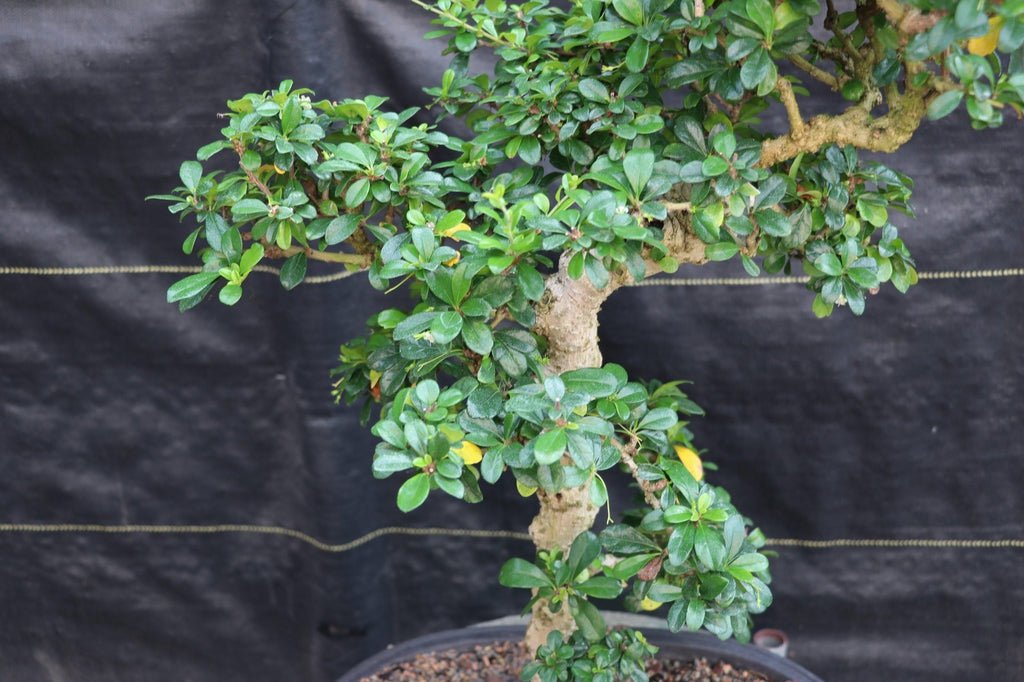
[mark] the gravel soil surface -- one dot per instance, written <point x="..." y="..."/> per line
<point x="502" y="661"/>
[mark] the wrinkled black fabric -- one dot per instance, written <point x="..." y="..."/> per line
<point x="116" y="409"/>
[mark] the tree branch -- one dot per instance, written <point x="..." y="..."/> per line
<point x="815" y="72"/>
<point x="628" y="453"/>
<point x="788" y="99"/>
<point x="271" y="251"/>
<point x="908" y="20"/>
<point x="855" y="126"/>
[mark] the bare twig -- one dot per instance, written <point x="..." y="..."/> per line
<point x="271" y="251"/>
<point x="627" y="453"/>
<point x="788" y="99"/>
<point x="815" y="72"/>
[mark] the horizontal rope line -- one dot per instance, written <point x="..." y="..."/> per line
<point x="257" y="530"/>
<point x="462" y="532"/>
<point x="803" y="279"/>
<point x="150" y="270"/>
<point x="919" y="543"/>
<point x="334" y="277"/>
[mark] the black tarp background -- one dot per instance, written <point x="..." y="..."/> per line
<point x="115" y="409"/>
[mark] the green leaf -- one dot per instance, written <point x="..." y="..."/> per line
<point x="597" y="273"/>
<point x="774" y="223"/>
<point x="594" y="90"/>
<point x="588" y="619"/>
<point x="601" y="587"/>
<point x="549" y="447"/>
<point x="529" y="150"/>
<point x="293" y="271"/>
<point x="477" y="336"/>
<point x="631" y="11"/>
<point x="713" y="166"/>
<point x="676" y="617"/>
<point x="754" y="70"/>
<point x="191" y="172"/>
<point x="414" y="324"/>
<point x="709" y="546"/>
<point x="521" y="573"/>
<point x="761" y="13"/>
<point x="659" y="419"/>
<point x="190" y="286"/>
<point x="623" y="539"/>
<point x="752" y="562"/>
<point x="230" y="294"/>
<point x="484" y="402"/>
<point x="231" y="244"/>
<point x="576" y="263"/>
<point x="248" y="209"/>
<point x="629" y="566"/>
<point x="694" y="614"/>
<point x="465" y="42"/>
<point x="341" y="228"/>
<point x="291" y="114"/>
<point x="638" y="166"/>
<point x="594" y="382"/>
<point x="721" y="250"/>
<point x="446" y="327"/>
<point x="821" y="307"/>
<point x="637" y="55"/>
<point x="531" y="282"/>
<point x="945" y="104"/>
<point x="208" y="150"/>
<point x="829" y="264"/>
<point x="413" y="492"/>
<point x="357" y="192"/>
<point x="582" y="552"/>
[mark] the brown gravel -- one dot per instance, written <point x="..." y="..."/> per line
<point x="501" y="662"/>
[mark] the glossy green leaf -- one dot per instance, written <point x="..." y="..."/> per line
<point x="413" y="492"/>
<point x="293" y="271"/>
<point x="523" y="574"/>
<point x="190" y="286"/>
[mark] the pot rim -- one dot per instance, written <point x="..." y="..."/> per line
<point x="681" y="645"/>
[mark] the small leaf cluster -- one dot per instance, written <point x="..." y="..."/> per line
<point x="551" y="432"/>
<point x="309" y="176"/>
<point x="693" y="551"/>
<point x="839" y="227"/>
<point x="619" y="656"/>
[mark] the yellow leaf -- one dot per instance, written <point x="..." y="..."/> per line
<point x="525" y="490"/>
<point x="452" y="231"/>
<point x="469" y="452"/>
<point x="452" y="261"/>
<point x="690" y="460"/>
<point x="374" y="377"/>
<point x="649" y="604"/>
<point x="986" y="44"/>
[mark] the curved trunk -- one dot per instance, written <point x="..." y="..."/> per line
<point x="567" y="318"/>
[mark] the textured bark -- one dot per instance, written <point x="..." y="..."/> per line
<point x="856" y="126"/>
<point x="563" y="516"/>
<point x="567" y="318"/>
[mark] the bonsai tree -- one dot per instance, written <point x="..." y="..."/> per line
<point x="614" y="140"/>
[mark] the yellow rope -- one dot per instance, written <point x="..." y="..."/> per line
<point x="460" y="532"/>
<point x="150" y="270"/>
<point x="334" y="277"/>
<point x="257" y="530"/>
<point x="763" y="281"/>
<point x="910" y="543"/>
